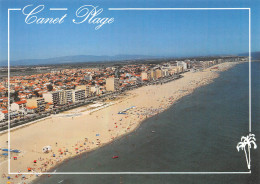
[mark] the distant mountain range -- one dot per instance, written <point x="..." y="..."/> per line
<point x="76" y="59"/>
<point x="92" y="58"/>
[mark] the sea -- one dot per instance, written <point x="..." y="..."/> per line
<point x="199" y="133"/>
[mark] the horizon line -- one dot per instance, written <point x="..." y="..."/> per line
<point x="143" y="55"/>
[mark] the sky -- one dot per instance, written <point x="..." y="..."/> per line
<point x="171" y="33"/>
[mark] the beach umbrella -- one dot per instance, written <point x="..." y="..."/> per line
<point x="15" y="158"/>
<point x="35" y="161"/>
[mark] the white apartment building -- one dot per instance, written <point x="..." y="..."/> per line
<point x="112" y="84"/>
<point x="55" y="97"/>
<point x="86" y="88"/>
<point x="144" y="76"/>
<point x="39" y="103"/>
<point x="78" y="95"/>
<point x="68" y="96"/>
<point x="182" y="64"/>
<point x="95" y="90"/>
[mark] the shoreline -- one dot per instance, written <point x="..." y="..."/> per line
<point x="54" y="168"/>
<point x="162" y="107"/>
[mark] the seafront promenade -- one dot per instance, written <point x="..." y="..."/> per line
<point x="17" y="123"/>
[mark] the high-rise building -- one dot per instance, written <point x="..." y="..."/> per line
<point x="38" y="103"/>
<point x="78" y="95"/>
<point x="158" y="73"/>
<point x="88" y="92"/>
<point x="64" y="96"/>
<point x="165" y="72"/>
<point x="68" y="96"/>
<point x="112" y="84"/>
<point x="151" y="74"/>
<point x="52" y="97"/>
<point x="55" y="97"/>
<point x="182" y="64"/>
<point x="86" y="88"/>
<point x="144" y="76"/>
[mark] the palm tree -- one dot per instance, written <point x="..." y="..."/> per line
<point x="246" y="142"/>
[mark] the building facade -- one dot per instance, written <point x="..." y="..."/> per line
<point x="144" y="76"/>
<point x="38" y="103"/>
<point x="112" y="84"/>
<point x="78" y="95"/>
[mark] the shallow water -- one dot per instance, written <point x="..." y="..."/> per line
<point x="199" y="133"/>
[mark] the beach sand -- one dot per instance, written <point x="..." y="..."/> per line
<point x="92" y="127"/>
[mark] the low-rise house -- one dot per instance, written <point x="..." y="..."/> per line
<point x="2" y="116"/>
<point x="95" y="90"/>
<point x="49" y="106"/>
<point x="17" y="106"/>
<point x="5" y="112"/>
<point x="31" y="110"/>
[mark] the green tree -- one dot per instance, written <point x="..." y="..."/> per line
<point x="36" y="93"/>
<point x="49" y="87"/>
<point x="15" y="96"/>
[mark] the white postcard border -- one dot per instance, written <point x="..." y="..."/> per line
<point x="127" y="173"/>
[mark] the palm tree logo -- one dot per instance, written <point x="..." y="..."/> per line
<point x="246" y="142"/>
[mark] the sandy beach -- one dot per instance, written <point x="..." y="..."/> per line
<point x="87" y="128"/>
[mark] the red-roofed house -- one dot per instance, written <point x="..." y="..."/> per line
<point x="31" y="110"/>
<point x="20" y="105"/>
